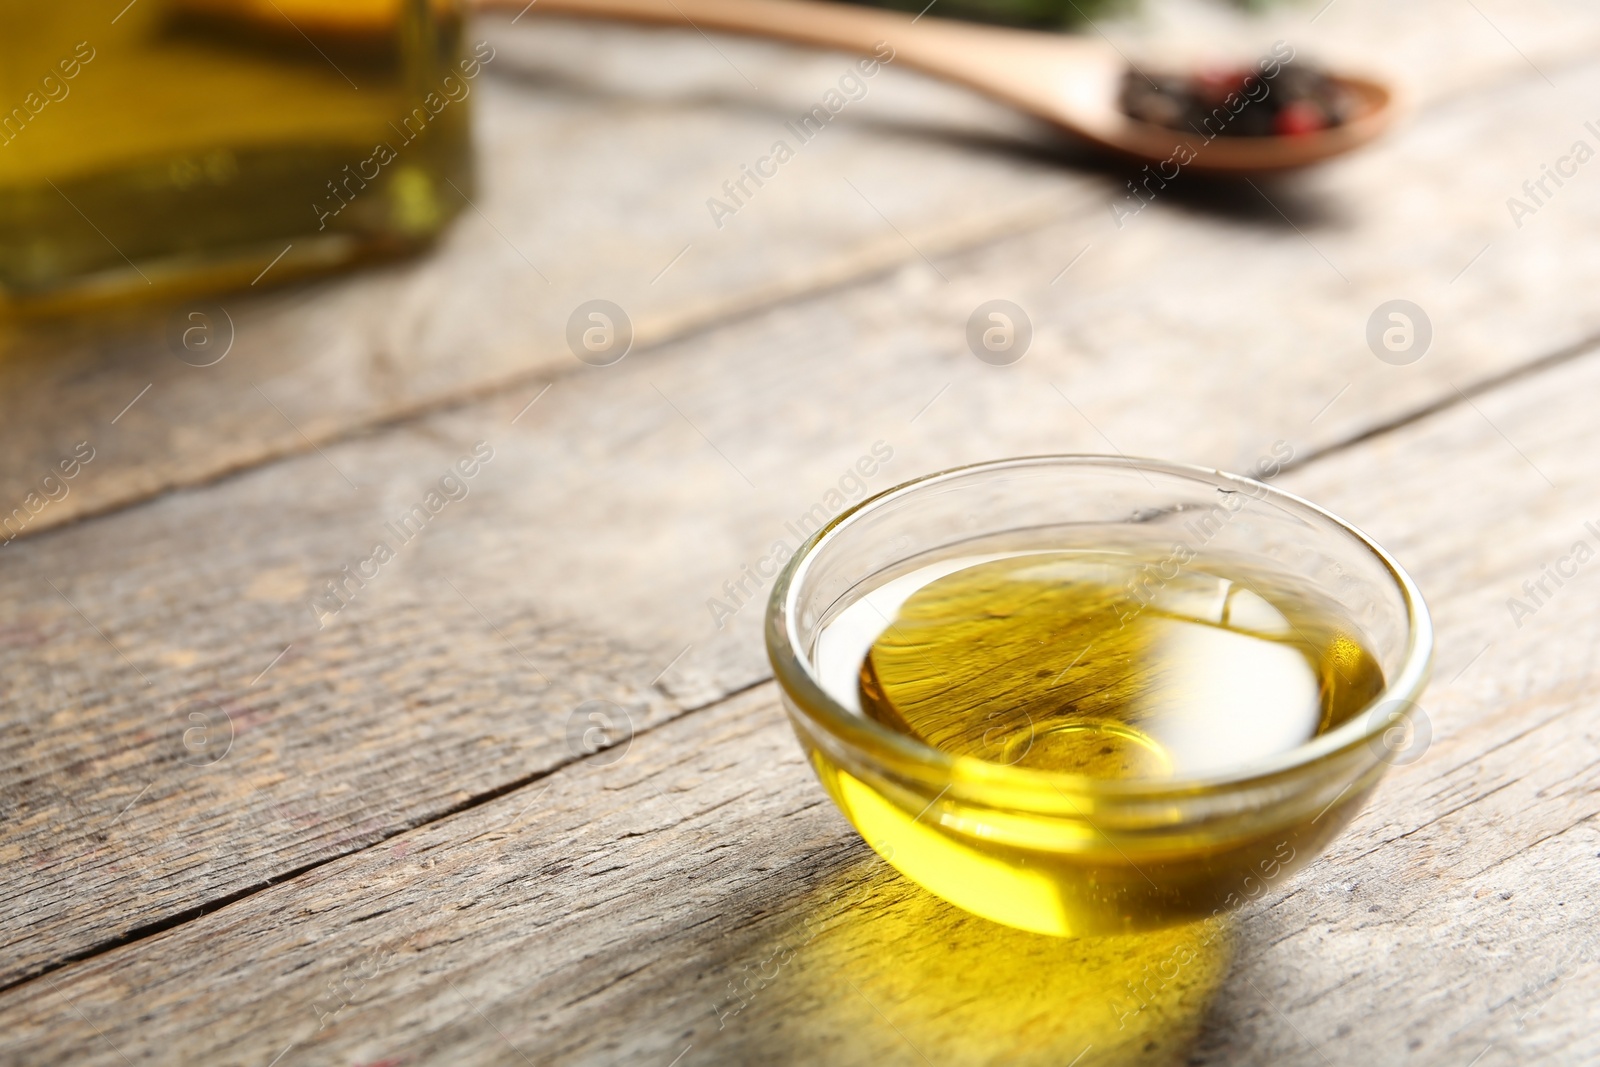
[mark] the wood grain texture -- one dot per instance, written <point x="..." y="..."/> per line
<point x="631" y="131"/>
<point x="619" y="505"/>
<point x="580" y="565"/>
<point x="629" y="903"/>
<point x="599" y="914"/>
<point x="585" y="192"/>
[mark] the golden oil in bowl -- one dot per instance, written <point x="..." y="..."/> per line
<point x="1086" y="695"/>
<point x="1088" y="663"/>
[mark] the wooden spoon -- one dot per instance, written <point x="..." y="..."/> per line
<point x="1072" y="82"/>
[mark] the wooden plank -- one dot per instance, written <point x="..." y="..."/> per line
<point x="589" y="551"/>
<point x="608" y="597"/>
<point x="614" y="889"/>
<point x="649" y="123"/>
<point x="582" y="195"/>
<point x="1460" y="909"/>
<point x="599" y="914"/>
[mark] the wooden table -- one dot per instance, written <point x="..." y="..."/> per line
<point x="238" y="831"/>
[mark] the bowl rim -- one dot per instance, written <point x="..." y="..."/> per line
<point x="793" y="671"/>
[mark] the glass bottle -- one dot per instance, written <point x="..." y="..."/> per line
<point x="163" y="146"/>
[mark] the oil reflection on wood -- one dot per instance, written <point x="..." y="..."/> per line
<point x="875" y="969"/>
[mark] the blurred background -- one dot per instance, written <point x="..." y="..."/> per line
<point x="272" y="270"/>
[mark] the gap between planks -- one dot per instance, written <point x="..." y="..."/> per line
<point x="180" y="918"/>
<point x="1457" y="397"/>
<point x="777" y="298"/>
<point x="860" y="267"/>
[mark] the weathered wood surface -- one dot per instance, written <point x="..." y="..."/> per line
<point x="579" y="565"/>
<point x="599" y="914"/>
<point x="645" y="125"/>
<point x="591" y="545"/>
<point x="616" y="521"/>
<point x="585" y="192"/>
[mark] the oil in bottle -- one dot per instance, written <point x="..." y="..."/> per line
<point x="172" y="145"/>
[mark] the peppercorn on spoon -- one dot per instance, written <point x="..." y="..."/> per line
<point x="1072" y="82"/>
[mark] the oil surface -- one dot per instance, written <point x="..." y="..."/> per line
<point x="1094" y="664"/>
<point x="1108" y="664"/>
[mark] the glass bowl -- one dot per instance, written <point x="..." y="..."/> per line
<point x="1066" y="854"/>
